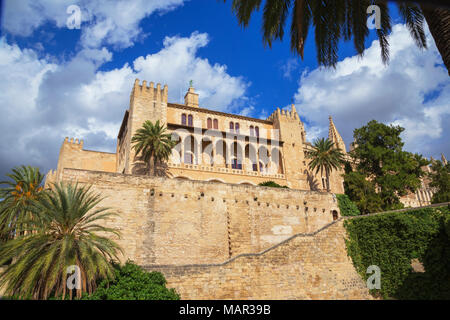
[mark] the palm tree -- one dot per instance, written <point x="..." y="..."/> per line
<point x="333" y="20"/>
<point x="65" y="231"/>
<point x="438" y="20"/>
<point x="325" y="157"/>
<point x="24" y="187"/>
<point x="153" y="143"/>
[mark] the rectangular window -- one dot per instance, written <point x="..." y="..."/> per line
<point x="236" y="165"/>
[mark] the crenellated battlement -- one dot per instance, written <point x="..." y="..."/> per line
<point x="76" y="142"/>
<point x="150" y="92"/>
<point x="283" y="113"/>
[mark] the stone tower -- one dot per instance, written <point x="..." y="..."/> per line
<point x="292" y="133"/>
<point x="146" y="103"/>
<point x="336" y="182"/>
<point x="334" y="136"/>
<point x="444" y="160"/>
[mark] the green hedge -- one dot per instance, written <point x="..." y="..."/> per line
<point x="392" y="240"/>
<point x="272" y="184"/>
<point x="133" y="283"/>
<point x="346" y="206"/>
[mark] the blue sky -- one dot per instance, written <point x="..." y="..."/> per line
<point x="77" y="82"/>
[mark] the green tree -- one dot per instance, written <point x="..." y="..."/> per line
<point x="440" y="179"/>
<point x="380" y="158"/>
<point x="17" y="193"/>
<point x="333" y="20"/>
<point x="325" y="157"/>
<point x="362" y="192"/>
<point x="153" y="143"/>
<point x="346" y="206"/>
<point x="66" y="230"/>
<point x="131" y="282"/>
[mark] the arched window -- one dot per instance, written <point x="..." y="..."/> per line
<point x="188" y="157"/>
<point x="231" y="126"/>
<point x="183" y="119"/>
<point x="236" y="127"/>
<point x="335" y="215"/>
<point x="257" y="131"/>
<point x="252" y="131"/>
<point x="237" y="156"/>
<point x="261" y="167"/>
<point x="190" y="121"/>
<point x="209" y="123"/>
<point x="216" y="124"/>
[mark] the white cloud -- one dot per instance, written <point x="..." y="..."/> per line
<point x="289" y="67"/>
<point x="104" y="22"/>
<point x="42" y="102"/>
<point x="178" y="63"/>
<point x="360" y="90"/>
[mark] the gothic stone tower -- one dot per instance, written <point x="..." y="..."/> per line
<point x="146" y="103"/>
<point x="292" y="133"/>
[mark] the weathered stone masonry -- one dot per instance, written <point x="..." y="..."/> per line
<point x="305" y="266"/>
<point x="268" y="237"/>
<point x="180" y="221"/>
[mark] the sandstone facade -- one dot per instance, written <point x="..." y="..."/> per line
<point x="212" y="145"/>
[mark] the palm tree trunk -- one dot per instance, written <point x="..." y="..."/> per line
<point x="438" y="20"/>
<point x="328" y="180"/>
<point x="151" y="166"/>
<point x="155" y="161"/>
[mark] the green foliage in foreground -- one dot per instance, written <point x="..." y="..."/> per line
<point x="392" y="240"/>
<point x="272" y="184"/>
<point x="131" y="282"/>
<point x="346" y="206"/>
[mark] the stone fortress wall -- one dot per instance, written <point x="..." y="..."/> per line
<point x="305" y="266"/>
<point x="227" y="241"/>
<point x="170" y="221"/>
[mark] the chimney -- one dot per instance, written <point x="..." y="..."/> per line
<point x="191" y="98"/>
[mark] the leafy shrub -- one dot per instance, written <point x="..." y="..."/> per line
<point x="392" y="240"/>
<point x="272" y="184"/>
<point x="133" y="283"/>
<point x="347" y="206"/>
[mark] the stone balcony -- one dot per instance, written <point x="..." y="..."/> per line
<point x="221" y="169"/>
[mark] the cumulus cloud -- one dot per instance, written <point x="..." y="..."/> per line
<point x="412" y="91"/>
<point x="104" y="22"/>
<point x="178" y="63"/>
<point x="43" y="101"/>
